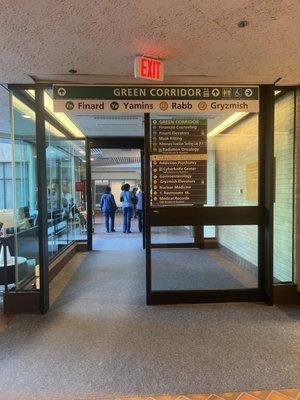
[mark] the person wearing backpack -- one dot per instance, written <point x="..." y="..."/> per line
<point x="127" y="200"/>
<point x="108" y="207"/>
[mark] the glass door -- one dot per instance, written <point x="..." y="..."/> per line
<point x="207" y="236"/>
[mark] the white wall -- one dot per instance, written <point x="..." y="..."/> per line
<point x="237" y="148"/>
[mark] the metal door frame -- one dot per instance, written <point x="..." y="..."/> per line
<point x="260" y="215"/>
<point x="106" y="142"/>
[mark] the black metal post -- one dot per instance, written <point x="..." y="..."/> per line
<point x="89" y="205"/>
<point x="143" y="198"/>
<point x="5" y="246"/>
<point x="147" y="206"/>
<point x="42" y="197"/>
<point x="266" y="191"/>
<point x="198" y="232"/>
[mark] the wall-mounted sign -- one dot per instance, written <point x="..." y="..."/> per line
<point x="148" y="68"/>
<point x="80" y="186"/>
<point x="178" y="157"/>
<point x="155" y="99"/>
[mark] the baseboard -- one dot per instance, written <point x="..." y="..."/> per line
<point x="286" y="293"/>
<point x="240" y="260"/>
<point x="58" y="264"/>
<point x="211" y="243"/>
<point x="82" y="246"/>
<point x="27" y="301"/>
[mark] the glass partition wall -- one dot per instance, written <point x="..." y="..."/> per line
<point x="233" y="252"/>
<point x="65" y="162"/>
<point x="19" y="221"/>
<point x="26" y="227"/>
<point x="6" y="190"/>
<point x="284" y="160"/>
<point x="19" y="190"/>
<point x="66" y="177"/>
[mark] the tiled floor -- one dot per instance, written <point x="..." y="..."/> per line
<point x="285" y="394"/>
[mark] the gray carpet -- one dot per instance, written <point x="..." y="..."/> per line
<point x="100" y="338"/>
<point x="189" y="269"/>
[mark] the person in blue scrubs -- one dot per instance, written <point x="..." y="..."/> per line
<point x="127" y="200"/>
<point x="108" y="207"/>
<point x="139" y="208"/>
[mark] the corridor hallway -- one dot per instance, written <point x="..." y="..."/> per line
<point x="99" y="338"/>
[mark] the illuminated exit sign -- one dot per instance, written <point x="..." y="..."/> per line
<point x="149" y="68"/>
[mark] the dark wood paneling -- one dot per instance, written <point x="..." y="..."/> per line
<point x="42" y="197"/>
<point x="286" y="293"/>
<point x="21" y="302"/>
<point x="206" y="244"/>
<point x="266" y="191"/>
<point x="204" y="296"/>
<point x="193" y="216"/>
<point x="175" y="246"/>
<point x="57" y="265"/>
<point x="211" y="243"/>
<point x="82" y="246"/>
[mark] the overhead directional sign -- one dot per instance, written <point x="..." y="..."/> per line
<point x="161" y="99"/>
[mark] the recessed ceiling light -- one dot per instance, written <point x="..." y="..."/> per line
<point x="92" y="159"/>
<point x="26" y="116"/>
<point x="243" y="23"/>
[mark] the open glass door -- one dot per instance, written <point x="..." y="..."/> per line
<point x="208" y="196"/>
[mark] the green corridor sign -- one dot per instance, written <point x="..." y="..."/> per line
<point x="161" y="99"/>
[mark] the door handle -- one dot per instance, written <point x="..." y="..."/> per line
<point x="156" y="211"/>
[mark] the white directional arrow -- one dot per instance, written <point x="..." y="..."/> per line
<point x="215" y="92"/>
<point x="61" y="91"/>
<point x="248" y="92"/>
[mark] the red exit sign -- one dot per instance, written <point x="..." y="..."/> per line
<point x="149" y="68"/>
<point x="80" y="186"/>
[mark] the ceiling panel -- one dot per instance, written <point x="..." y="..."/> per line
<point x="109" y="125"/>
<point x="115" y="158"/>
<point x="101" y="125"/>
<point x="199" y="40"/>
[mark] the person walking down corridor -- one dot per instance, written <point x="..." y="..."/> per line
<point x="127" y="200"/>
<point x="108" y="207"/>
<point x="139" y="208"/>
